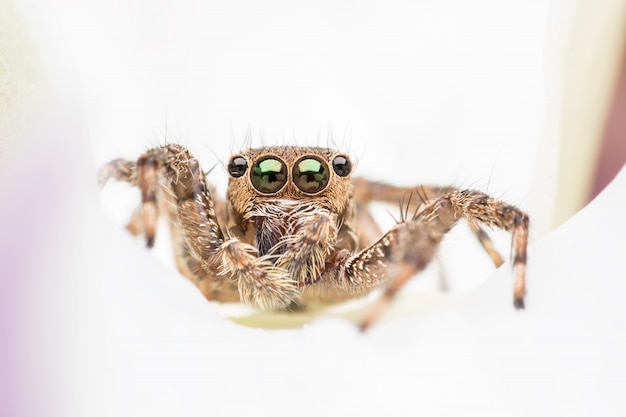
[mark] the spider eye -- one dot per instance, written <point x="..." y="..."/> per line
<point x="310" y="175"/>
<point x="269" y="175"/>
<point x="342" y="166"/>
<point x="237" y="166"/>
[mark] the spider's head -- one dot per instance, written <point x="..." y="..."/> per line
<point x="317" y="176"/>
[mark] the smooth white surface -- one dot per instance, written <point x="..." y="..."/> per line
<point x="106" y="330"/>
<point x="110" y="332"/>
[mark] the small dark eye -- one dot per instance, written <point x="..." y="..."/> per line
<point x="269" y="175"/>
<point x="237" y="166"/>
<point x="310" y="175"/>
<point x="342" y="166"/>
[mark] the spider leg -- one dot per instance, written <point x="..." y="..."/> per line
<point x="170" y="178"/>
<point x="367" y="191"/>
<point x="143" y="219"/>
<point x="118" y="169"/>
<point x="406" y="249"/>
<point x="410" y="246"/>
<point x="368" y="230"/>
<point x="487" y="244"/>
<point x="439" y="217"/>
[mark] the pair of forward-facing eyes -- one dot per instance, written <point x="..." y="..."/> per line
<point x="269" y="174"/>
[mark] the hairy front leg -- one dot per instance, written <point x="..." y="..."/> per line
<point x="367" y="191"/>
<point x="406" y="249"/>
<point x="169" y="176"/>
<point x="411" y="245"/>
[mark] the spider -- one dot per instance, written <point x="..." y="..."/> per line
<point x="295" y="229"/>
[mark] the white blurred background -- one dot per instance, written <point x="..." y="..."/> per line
<point x="514" y="98"/>
<point x="424" y="92"/>
<point x="490" y="94"/>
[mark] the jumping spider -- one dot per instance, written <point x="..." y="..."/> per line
<point x="295" y="228"/>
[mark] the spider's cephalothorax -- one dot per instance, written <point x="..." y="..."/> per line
<point x="295" y="228"/>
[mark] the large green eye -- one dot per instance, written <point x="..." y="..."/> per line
<point x="310" y="175"/>
<point x="269" y="175"/>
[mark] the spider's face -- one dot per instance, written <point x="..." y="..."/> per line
<point x="262" y="176"/>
